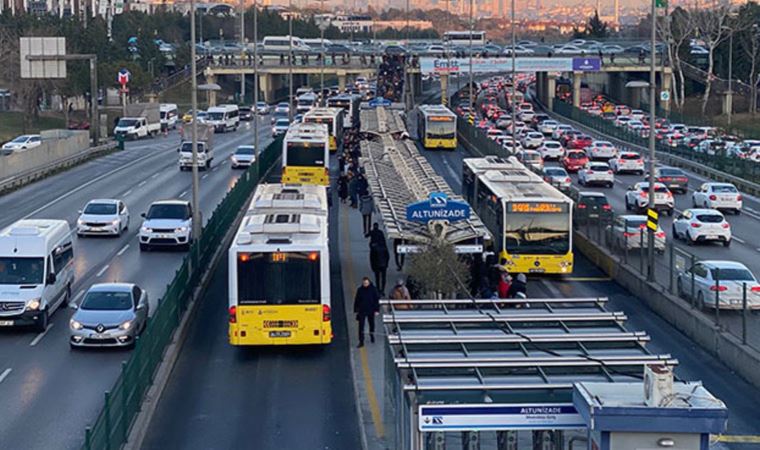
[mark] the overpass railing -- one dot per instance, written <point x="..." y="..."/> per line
<point x="124" y="399"/>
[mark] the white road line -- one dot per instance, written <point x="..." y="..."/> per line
<point x="224" y="161"/>
<point x="123" y="249"/>
<point x="142" y="183"/>
<point x="741" y="241"/>
<point x="103" y="270"/>
<point x="756" y="217"/>
<point x="215" y="169"/>
<point x="39" y="337"/>
<point x="5" y="374"/>
<point x="155" y="175"/>
<point x="78" y="296"/>
<point x="127" y="193"/>
<point x="182" y="194"/>
<point x="204" y="176"/>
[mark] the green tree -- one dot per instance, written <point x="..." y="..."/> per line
<point x="439" y="270"/>
<point x="596" y="28"/>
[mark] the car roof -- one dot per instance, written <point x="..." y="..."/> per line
<point x="591" y="194"/>
<point x="111" y="287"/>
<point x="716" y="184"/>
<point x="713" y="212"/>
<point x="103" y="200"/>
<point x="725" y="264"/>
<point x="632" y="217"/>
<point x="171" y="202"/>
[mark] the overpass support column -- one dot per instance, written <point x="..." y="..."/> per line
<point x="667" y="85"/>
<point x="506" y="440"/>
<point x="435" y="441"/>
<point x="444" y="89"/>
<point x="470" y="440"/>
<point x="211" y="79"/>
<point x="551" y="90"/>
<point x="342" y="82"/>
<point x="577" y="89"/>
<point x="266" y="87"/>
<point x="540" y="87"/>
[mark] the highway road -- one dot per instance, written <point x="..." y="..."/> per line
<point x="51" y="393"/>
<point x="224" y="397"/>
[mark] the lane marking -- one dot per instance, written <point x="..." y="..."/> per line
<point x="155" y="175"/>
<point x="204" y="176"/>
<point x="103" y="270"/>
<point x="39" y="337"/>
<point x="737" y="439"/>
<point x="142" y="183"/>
<point x="215" y="169"/>
<point x="5" y="374"/>
<point x="586" y="279"/>
<point x="78" y="296"/>
<point x="127" y="193"/>
<point x="182" y="194"/>
<point x="123" y="249"/>
<point x="741" y="241"/>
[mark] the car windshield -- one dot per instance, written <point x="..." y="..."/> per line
<point x="15" y="270"/>
<point x="100" y="208"/>
<point x="724" y="189"/>
<point x="593" y="200"/>
<point x="671" y="172"/>
<point x="126" y="123"/>
<point x="244" y="151"/>
<point x="261" y="104"/>
<point x="551" y="145"/>
<point x="556" y="173"/>
<point x="107" y="301"/>
<point x="629" y="156"/>
<point x="537" y="233"/>
<point x="169" y="211"/>
<point x="635" y="223"/>
<point x="576" y="155"/>
<point x="732" y="274"/>
<point x="216" y="115"/>
<point x="20" y="139"/>
<point x="282" y="123"/>
<point x="599" y="168"/>
<point x="710" y="218"/>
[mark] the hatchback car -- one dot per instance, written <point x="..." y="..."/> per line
<point x="531" y="159"/>
<point x="167" y="223"/>
<point x="262" y="108"/>
<point x="702" y="225"/>
<point x="244" y="156"/>
<point x="630" y="232"/>
<point x="601" y="150"/>
<point x="533" y="140"/>
<point x="630" y="162"/>
<point x="560" y="130"/>
<point x="551" y="150"/>
<point x="103" y="217"/>
<point x="673" y="178"/>
<point x="548" y="126"/>
<point x="722" y="279"/>
<point x="723" y="196"/>
<point x="110" y="315"/>
<point x="281" y="126"/>
<point x="580" y="142"/>
<point x="574" y="160"/>
<point x="557" y="177"/>
<point x="596" y="173"/>
<point x="591" y="207"/>
<point x="637" y="198"/>
<point x="21" y="143"/>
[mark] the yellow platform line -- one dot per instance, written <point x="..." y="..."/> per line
<point x="736" y="439"/>
<point x="587" y="279"/>
<point x="374" y="406"/>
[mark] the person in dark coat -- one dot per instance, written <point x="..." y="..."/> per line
<point x="376" y="235"/>
<point x="352" y="191"/>
<point x="366" y="206"/>
<point x="366" y="306"/>
<point x="343" y="188"/>
<point x="362" y="185"/>
<point x="519" y="285"/>
<point x="378" y="261"/>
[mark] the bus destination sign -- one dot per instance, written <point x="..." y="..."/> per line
<point x="537" y="207"/>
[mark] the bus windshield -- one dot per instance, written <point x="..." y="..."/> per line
<point x="537" y="233"/>
<point x="305" y="154"/>
<point x="290" y="278"/>
<point x="326" y="120"/>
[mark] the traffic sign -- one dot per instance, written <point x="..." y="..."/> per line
<point x="123" y="77"/>
<point x="652" y="217"/>
<point x="38" y="47"/>
<point x="379" y="101"/>
<point x="664" y="96"/>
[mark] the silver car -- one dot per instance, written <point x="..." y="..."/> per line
<point x="629" y="232"/>
<point x="724" y="278"/>
<point x="110" y="315"/>
<point x="244" y="156"/>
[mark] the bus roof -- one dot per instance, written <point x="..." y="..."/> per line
<point x="512" y="181"/>
<point x="323" y="112"/>
<point x="309" y="132"/>
<point x="436" y="110"/>
<point x="344" y="96"/>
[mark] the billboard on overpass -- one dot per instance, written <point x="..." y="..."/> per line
<point x="430" y="64"/>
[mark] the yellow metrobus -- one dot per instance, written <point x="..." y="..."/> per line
<point x="279" y="269"/>
<point x="437" y="127"/>
<point x="531" y="220"/>
<point x="306" y="154"/>
<point x="333" y="118"/>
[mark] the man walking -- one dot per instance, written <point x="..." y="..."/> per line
<point x="366" y="306"/>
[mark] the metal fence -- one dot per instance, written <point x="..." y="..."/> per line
<point x="742" y="168"/>
<point x="123" y="400"/>
<point x="727" y="302"/>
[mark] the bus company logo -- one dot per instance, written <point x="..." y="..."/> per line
<point x="435" y="420"/>
<point x="446" y="65"/>
<point x="438" y="200"/>
<point x="438" y="207"/>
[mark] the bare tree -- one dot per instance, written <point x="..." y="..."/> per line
<point x="677" y="31"/>
<point x="439" y="270"/>
<point x="711" y="25"/>
<point x="750" y="45"/>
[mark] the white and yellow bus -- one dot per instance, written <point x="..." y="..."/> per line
<point x="531" y="220"/>
<point x="279" y="269"/>
<point x="306" y="154"/>
<point x="437" y="127"/>
<point x="350" y="104"/>
<point x="333" y="118"/>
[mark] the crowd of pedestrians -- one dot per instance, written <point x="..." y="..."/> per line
<point x="390" y="78"/>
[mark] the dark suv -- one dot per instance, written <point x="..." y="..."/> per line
<point x="592" y="207"/>
<point x="673" y="178"/>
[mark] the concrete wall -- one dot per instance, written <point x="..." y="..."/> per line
<point x="678" y="312"/>
<point x="57" y="146"/>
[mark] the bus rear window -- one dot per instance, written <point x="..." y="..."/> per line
<point x="305" y="155"/>
<point x="278" y="278"/>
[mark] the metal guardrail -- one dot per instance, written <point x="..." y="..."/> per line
<point x="123" y="400"/>
<point x="30" y="175"/>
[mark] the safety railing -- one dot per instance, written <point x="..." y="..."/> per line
<point x="122" y="402"/>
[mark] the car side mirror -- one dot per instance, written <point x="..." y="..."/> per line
<point x="73" y="306"/>
<point x="143" y="215"/>
<point x="79" y="211"/>
<point x="140" y="306"/>
<point x="50" y="279"/>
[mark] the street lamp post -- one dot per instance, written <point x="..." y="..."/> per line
<point x="242" y="52"/>
<point x="472" y="29"/>
<point x="256" y="81"/>
<point x="290" y="60"/>
<point x="730" y="92"/>
<point x="652" y="127"/>
<point x="322" y="26"/>
<point x="196" y="223"/>
<point x="514" y="79"/>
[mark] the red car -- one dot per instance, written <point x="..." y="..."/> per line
<point x="574" y="160"/>
<point x="579" y="142"/>
<point x="566" y="137"/>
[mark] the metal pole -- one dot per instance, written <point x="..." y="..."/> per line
<point x="94" y="120"/>
<point x="256" y="81"/>
<point x="323" y="99"/>
<point x="472" y="25"/>
<point x="652" y="119"/>
<point x="290" y="60"/>
<point x="730" y="75"/>
<point x="242" y="53"/>
<point x="744" y="313"/>
<point x="196" y="226"/>
<point x="717" y="297"/>
<point x="514" y="78"/>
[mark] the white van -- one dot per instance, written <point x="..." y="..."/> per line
<point x="36" y="271"/>
<point x="282" y="43"/>
<point x="169" y="116"/>
<point x="223" y="118"/>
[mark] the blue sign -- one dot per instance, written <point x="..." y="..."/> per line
<point x="438" y="207"/>
<point x="479" y="417"/>
<point x="379" y="101"/>
<point x="587" y="64"/>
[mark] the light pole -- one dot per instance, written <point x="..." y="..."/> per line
<point x="196" y="224"/>
<point x="322" y="26"/>
<point x="514" y="79"/>
<point x="242" y="46"/>
<point x="730" y="93"/>
<point x="472" y="29"/>
<point x="256" y="81"/>
<point x="290" y="60"/>
<point x="652" y="128"/>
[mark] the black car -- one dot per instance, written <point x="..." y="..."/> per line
<point x="673" y="178"/>
<point x="592" y="207"/>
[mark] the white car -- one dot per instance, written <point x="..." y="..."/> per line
<point x="531" y="159"/>
<point x="527" y="116"/>
<point x="700" y="225"/>
<point x="629" y="232"/>
<point x="493" y="133"/>
<point x="601" y="150"/>
<point x="533" y="140"/>
<point x="628" y="162"/>
<point x="511" y="146"/>
<point x="244" y="156"/>
<point x="548" y="126"/>
<point x="21" y="143"/>
<point x="718" y="196"/>
<point x="724" y="278"/>
<point x="280" y="127"/>
<point x="167" y="223"/>
<point x="561" y="128"/>
<point x="637" y="114"/>
<point x="551" y="150"/>
<point x="637" y="198"/>
<point x="103" y="217"/>
<point x="557" y="177"/>
<point x="622" y="121"/>
<point x="596" y="173"/>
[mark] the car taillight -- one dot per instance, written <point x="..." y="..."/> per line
<point x="581" y="206"/>
<point x="738" y="198"/>
<point x="568" y="180"/>
<point x="639" y="161"/>
<point x="629" y="234"/>
<point x="643" y="194"/>
<point x="326" y="313"/>
<point x="726" y="225"/>
<point x="609" y="172"/>
<point x="695" y="225"/>
<point x="718" y="288"/>
<point x="606" y="207"/>
<point x="664" y="179"/>
<point x="232" y="314"/>
<point x="660" y="234"/>
<point x="713" y="197"/>
<point x="682" y="179"/>
<point x="755" y="289"/>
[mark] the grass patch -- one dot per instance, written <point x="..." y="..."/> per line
<point x="12" y="124"/>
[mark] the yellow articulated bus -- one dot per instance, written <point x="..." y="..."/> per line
<point x="437" y="127"/>
<point x="279" y="269"/>
<point x="531" y="220"/>
<point x="333" y="118"/>
<point x="306" y="154"/>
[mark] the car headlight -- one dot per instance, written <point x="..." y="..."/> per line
<point x="180" y="229"/>
<point x="80" y="222"/>
<point x="145" y="230"/>
<point x="74" y="325"/>
<point x="33" y="305"/>
<point x="115" y="222"/>
<point x="126" y="325"/>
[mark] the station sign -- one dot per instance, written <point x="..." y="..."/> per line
<point x="482" y="417"/>
<point x="431" y="64"/>
<point x="379" y="101"/>
<point x="438" y="207"/>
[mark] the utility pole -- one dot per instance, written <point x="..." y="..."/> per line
<point x="197" y="225"/>
<point x="243" y="50"/>
<point x="730" y="75"/>
<point x="322" y="26"/>
<point x="514" y="79"/>
<point x="652" y="123"/>
<point x="256" y="81"/>
<point x="290" y="60"/>
<point x="472" y="28"/>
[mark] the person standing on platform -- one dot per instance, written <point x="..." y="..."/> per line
<point x="343" y="188"/>
<point x="378" y="261"/>
<point x="366" y="306"/>
<point x="366" y="206"/>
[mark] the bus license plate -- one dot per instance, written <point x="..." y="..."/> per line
<point x="536" y="270"/>
<point x="280" y="324"/>
<point x="279" y="334"/>
<point x="6" y="323"/>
